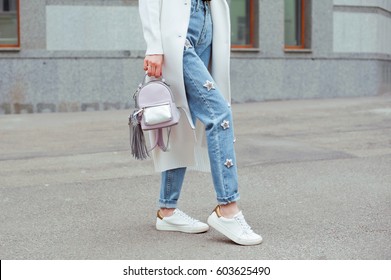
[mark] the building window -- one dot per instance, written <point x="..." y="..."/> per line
<point x="243" y="23"/>
<point x="294" y="24"/>
<point x="9" y="23"/>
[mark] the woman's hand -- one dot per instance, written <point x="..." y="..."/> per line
<point x="153" y="65"/>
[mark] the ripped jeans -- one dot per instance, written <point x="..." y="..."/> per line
<point x="208" y="105"/>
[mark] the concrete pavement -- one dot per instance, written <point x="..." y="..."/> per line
<point x="315" y="181"/>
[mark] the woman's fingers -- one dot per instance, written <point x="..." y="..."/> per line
<point x="153" y="64"/>
<point x="158" y="71"/>
<point x="151" y="70"/>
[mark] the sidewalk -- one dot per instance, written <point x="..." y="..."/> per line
<point x="315" y="181"/>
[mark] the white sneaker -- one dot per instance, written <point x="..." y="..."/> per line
<point x="235" y="229"/>
<point x="180" y="221"/>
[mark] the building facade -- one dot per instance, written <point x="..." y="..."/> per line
<point x="80" y="55"/>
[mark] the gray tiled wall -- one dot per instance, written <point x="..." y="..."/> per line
<point x="54" y="71"/>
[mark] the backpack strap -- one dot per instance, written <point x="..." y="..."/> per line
<point x="159" y="141"/>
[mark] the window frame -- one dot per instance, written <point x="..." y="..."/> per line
<point x="253" y="21"/>
<point x="17" y="45"/>
<point x="301" y="45"/>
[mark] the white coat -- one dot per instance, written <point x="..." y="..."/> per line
<point x="165" y="24"/>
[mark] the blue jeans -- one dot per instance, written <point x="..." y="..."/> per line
<point x="208" y="105"/>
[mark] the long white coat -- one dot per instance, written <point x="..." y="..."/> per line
<point x="165" y="24"/>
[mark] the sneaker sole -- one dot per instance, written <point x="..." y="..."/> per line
<point x="213" y="222"/>
<point x="167" y="227"/>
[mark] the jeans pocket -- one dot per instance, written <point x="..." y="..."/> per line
<point x="206" y="31"/>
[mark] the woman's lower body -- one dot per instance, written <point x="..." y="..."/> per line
<point x="208" y="105"/>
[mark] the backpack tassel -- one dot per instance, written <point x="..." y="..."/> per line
<point x="138" y="145"/>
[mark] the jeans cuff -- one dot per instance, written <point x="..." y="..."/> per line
<point x="167" y="204"/>
<point x="227" y="200"/>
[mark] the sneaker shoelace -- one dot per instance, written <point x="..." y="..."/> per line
<point x="243" y="224"/>
<point x="187" y="217"/>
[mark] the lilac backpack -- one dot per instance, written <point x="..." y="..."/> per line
<point x="155" y="110"/>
